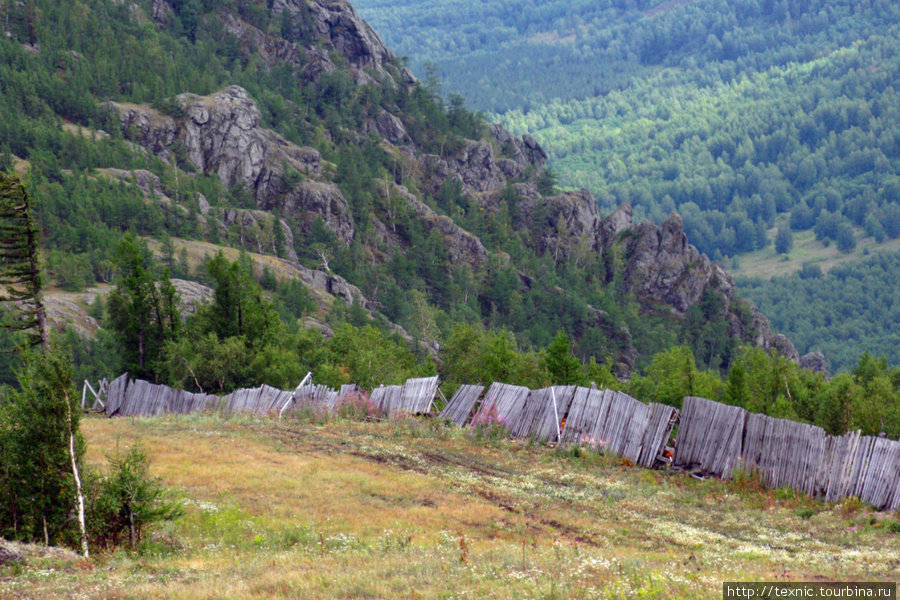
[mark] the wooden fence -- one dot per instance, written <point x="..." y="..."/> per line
<point x="717" y="439"/>
<point x="127" y="397"/>
<point x="713" y="438"/>
<point x="601" y="419"/>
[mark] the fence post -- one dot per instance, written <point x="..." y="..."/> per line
<point x="291" y="399"/>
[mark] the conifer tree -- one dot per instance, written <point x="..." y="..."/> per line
<point x="19" y="261"/>
<point x="142" y="310"/>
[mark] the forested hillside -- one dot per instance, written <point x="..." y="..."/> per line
<point x="356" y="194"/>
<point x="851" y="306"/>
<point x="237" y="193"/>
<point x="754" y="120"/>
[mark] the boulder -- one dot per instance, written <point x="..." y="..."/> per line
<point x="221" y="135"/>
<point x="525" y="151"/>
<point x="815" y="362"/>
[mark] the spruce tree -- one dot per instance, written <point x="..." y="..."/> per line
<point x="19" y="264"/>
<point x="142" y="310"/>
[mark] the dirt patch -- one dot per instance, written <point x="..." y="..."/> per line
<point x="392" y="459"/>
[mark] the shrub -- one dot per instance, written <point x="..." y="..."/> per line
<point x="488" y="426"/>
<point x="356" y="406"/>
<point x="127" y="500"/>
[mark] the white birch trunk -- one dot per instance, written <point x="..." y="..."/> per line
<point x="79" y="496"/>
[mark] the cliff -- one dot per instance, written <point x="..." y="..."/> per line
<point x="370" y="185"/>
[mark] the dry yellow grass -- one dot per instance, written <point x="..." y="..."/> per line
<point x="411" y="509"/>
<point x="767" y="263"/>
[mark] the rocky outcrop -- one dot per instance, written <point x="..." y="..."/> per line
<point x="334" y="285"/>
<point x="660" y="264"/>
<point x="815" y="362"/>
<point x="474" y="166"/>
<point x="64" y="311"/>
<point x="148" y="127"/>
<point x="191" y="296"/>
<point x="485" y="167"/>
<point x="344" y="31"/>
<point x="388" y="127"/>
<point x="524" y="152"/>
<point x="329" y="26"/>
<point x="662" y="267"/>
<point x="462" y="246"/>
<point x="561" y="222"/>
<point x="311" y="200"/>
<point x="220" y="134"/>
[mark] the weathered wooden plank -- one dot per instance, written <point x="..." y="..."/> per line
<point x="607" y="421"/>
<point x="633" y="435"/>
<point x="582" y="417"/>
<point x="502" y="402"/>
<point x="548" y="424"/>
<point x="533" y="405"/>
<point x="390" y="401"/>
<point x="418" y="395"/>
<point x="462" y="404"/>
<point x="115" y="395"/>
<point x="661" y="423"/>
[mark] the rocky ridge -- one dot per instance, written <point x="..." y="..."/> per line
<point x="221" y="134"/>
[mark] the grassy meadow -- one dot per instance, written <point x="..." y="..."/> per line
<point x="304" y="509"/>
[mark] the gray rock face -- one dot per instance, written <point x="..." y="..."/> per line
<point x="815" y="362"/>
<point x="337" y="27"/>
<point x="161" y="11"/>
<point x="310" y="200"/>
<point x="462" y="246"/>
<point x="323" y="328"/>
<point x="525" y="152"/>
<point x="335" y="285"/>
<point x="660" y="263"/>
<point x="191" y="296"/>
<point x="564" y="220"/>
<point x="344" y="31"/>
<point x="149" y="128"/>
<point x="221" y="135"/>
<point x="661" y="267"/>
<point x="388" y="127"/>
<point x="474" y="166"/>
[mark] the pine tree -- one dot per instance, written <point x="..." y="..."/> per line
<point x="784" y="240"/>
<point x="40" y="448"/>
<point x="19" y="264"/>
<point x="564" y="369"/>
<point x="142" y="310"/>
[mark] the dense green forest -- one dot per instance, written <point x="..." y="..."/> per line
<point x="851" y="306"/>
<point x="729" y="112"/>
<point x="60" y="67"/>
<point x="740" y="115"/>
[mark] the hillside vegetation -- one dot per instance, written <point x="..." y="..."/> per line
<point x="740" y="115"/>
<point x="411" y="509"/>
<point x="292" y="131"/>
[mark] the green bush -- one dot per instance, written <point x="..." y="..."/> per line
<point x="125" y="501"/>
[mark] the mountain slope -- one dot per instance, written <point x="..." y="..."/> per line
<point x="290" y="129"/>
<point x="757" y="121"/>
